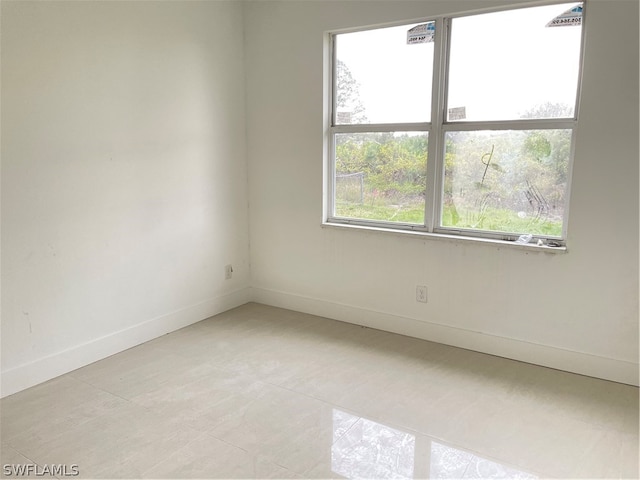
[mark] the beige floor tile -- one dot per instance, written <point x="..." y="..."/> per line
<point x="629" y="457"/>
<point x="602" y="403"/>
<point x="121" y="445"/>
<point x="449" y="461"/>
<point x="288" y="428"/>
<point x="611" y="456"/>
<point x="208" y="457"/>
<point x="262" y="392"/>
<point x="139" y="370"/>
<point x="203" y="403"/>
<point x="52" y="409"/>
<point x="16" y="465"/>
<point x="533" y="439"/>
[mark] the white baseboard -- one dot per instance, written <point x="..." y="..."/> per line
<point x="561" y="359"/>
<point x="27" y="375"/>
<point x="45" y="368"/>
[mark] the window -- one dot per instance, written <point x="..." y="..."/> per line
<point x="460" y="126"/>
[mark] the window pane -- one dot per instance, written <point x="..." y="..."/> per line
<point x="506" y="181"/>
<point x="384" y="77"/>
<point x="511" y="65"/>
<point x="381" y="176"/>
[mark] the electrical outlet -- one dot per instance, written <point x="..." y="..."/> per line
<point x="228" y="272"/>
<point x="421" y="293"/>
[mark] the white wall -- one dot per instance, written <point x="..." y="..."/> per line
<point x="124" y="191"/>
<point x="124" y="180"/>
<point x="576" y="311"/>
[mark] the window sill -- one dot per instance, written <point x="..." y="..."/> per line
<point x="529" y="247"/>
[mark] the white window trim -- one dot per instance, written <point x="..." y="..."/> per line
<point x="436" y="129"/>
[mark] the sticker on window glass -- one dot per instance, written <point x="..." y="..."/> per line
<point x="343" y="117"/>
<point x="457" y="113"/>
<point x="423" y="33"/>
<point x="570" y="18"/>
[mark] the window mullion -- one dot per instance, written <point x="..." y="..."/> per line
<point x="519" y="124"/>
<point x="334" y="80"/>
<point x="436" y="151"/>
<point x="331" y="180"/>
<point x="381" y="127"/>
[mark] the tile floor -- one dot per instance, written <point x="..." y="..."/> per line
<point x="261" y="392"/>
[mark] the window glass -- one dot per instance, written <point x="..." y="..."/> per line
<point x="381" y="176"/>
<point x="506" y="181"/>
<point x="514" y="64"/>
<point x="384" y="75"/>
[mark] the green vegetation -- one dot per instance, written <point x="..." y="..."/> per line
<point x="388" y="213"/>
<point x="393" y="165"/>
<point x="502" y="220"/>
<point x="504" y="181"/>
<point x="499" y="220"/>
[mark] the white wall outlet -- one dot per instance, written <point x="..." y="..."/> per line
<point x="421" y="293"/>
<point x="228" y="272"/>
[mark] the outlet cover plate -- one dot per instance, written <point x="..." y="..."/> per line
<point x="421" y="293"/>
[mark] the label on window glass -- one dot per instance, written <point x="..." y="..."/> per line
<point x="457" y="113"/>
<point x="423" y="33"/>
<point x="570" y="18"/>
<point x="343" y="117"/>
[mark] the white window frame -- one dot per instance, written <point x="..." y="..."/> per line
<point x="437" y="129"/>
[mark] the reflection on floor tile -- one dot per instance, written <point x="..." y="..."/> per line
<point x="261" y="392"/>
<point x="449" y="463"/>
<point x="371" y="450"/>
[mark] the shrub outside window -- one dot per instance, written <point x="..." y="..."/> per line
<point x="460" y="126"/>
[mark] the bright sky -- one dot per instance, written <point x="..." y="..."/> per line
<point x="501" y="65"/>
